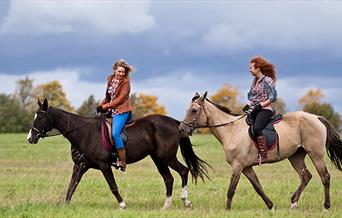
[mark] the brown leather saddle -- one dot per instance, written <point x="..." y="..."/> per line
<point x="107" y="139"/>
<point x="271" y="135"/>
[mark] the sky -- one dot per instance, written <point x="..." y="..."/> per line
<point x="177" y="47"/>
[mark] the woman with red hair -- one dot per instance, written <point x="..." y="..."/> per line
<point x="261" y="95"/>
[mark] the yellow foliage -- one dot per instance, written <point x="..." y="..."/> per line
<point x="144" y="105"/>
<point x="228" y="96"/>
<point x="53" y="92"/>
<point x="313" y="95"/>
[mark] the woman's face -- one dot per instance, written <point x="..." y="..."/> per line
<point x="254" y="71"/>
<point x="120" y="72"/>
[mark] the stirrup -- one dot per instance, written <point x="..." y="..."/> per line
<point x="116" y="164"/>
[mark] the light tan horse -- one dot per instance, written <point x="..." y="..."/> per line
<point x="300" y="134"/>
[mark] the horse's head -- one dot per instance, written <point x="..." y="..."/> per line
<point x="41" y="123"/>
<point x="195" y="116"/>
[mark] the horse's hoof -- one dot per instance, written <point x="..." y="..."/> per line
<point x="273" y="209"/>
<point x="294" y="205"/>
<point x="187" y="204"/>
<point x="122" y="205"/>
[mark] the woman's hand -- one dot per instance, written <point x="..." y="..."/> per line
<point x="106" y="106"/>
<point x="246" y="108"/>
<point x="257" y="107"/>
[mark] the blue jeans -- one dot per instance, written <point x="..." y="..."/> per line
<point x="118" y="124"/>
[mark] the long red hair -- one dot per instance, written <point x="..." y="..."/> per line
<point x="266" y="67"/>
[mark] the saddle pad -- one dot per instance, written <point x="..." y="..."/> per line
<point x="271" y="135"/>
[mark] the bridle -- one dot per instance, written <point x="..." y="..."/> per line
<point x="42" y="133"/>
<point x="193" y="124"/>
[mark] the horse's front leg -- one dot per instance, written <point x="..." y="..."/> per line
<point x="234" y="180"/>
<point x="77" y="173"/>
<point x="108" y="174"/>
<point x="252" y="177"/>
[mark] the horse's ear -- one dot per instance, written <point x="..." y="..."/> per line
<point x="45" y="105"/>
<point x="204" y="96"/>
<point x="196" y="96"/>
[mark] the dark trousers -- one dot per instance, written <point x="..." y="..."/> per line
<point x="261" y="119"/>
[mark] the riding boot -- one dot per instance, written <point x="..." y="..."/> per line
<point x="262" y="149"/>
<point x="122" y="158"/>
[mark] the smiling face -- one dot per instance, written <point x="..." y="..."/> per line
<point x="120" y="72"/>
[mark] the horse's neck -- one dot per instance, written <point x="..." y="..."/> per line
<point x="215" y="116"/>
<point x="65" y="121"/>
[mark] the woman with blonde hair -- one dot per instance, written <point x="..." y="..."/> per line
<point x="116" y="101"/>
<point x="261" y="95"/>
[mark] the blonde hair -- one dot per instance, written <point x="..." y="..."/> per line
<point x="124" y="64"/>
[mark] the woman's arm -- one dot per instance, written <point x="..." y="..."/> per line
<point x="123" y="95"/>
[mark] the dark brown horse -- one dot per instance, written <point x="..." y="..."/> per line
<point x="153" y="135"/>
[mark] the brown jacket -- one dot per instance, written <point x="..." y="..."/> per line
<point x="121" y="100"/>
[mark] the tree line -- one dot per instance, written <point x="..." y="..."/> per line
<point x="17" y="109"/>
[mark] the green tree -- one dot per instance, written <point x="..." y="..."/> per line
<point x="53" y="92"/>
<point x="326" y="110"/>
<point x="13" y="116"/>
<point x="312" y="103"/>
<point x="88" y="108"/>
<point x="24" y="92"/>
<point x="144" y="105"/>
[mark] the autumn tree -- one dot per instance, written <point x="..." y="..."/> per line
<point x="313" y="95"/>
<point x="312" y="103"/>
<point x="53" y="92"/>
<point x="88" y="107"/>
<point x="144" y="105"/>
<point x="228" y="96"/>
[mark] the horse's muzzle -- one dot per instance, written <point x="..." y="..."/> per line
<point x="184" y="130"/>
<point x="32" y="139"/>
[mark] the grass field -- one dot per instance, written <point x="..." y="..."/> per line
<point x="34" y="180"/>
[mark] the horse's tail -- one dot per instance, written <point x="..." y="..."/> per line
<point x="333" y="143"/>
<point x="197" y="166"/>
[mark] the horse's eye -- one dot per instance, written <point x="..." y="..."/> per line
<point x="194" y="110"/>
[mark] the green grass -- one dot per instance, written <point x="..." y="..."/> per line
<point x="34" y="181"/>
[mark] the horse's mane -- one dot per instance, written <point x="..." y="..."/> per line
<point x="223" y="108"/>
<point x="86" y="119"/>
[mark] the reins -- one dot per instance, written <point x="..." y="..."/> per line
<point x="193" y="125"/>
<point x="43" y="134"/>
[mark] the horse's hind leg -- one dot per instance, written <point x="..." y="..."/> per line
<point x="183" y="172"/>
<point x="77" y="173"/>
<point x="325" y="177"/>
<point x="252" y="177"/>
<point x="297" y="162"/>
<point x="168" y="179"/>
